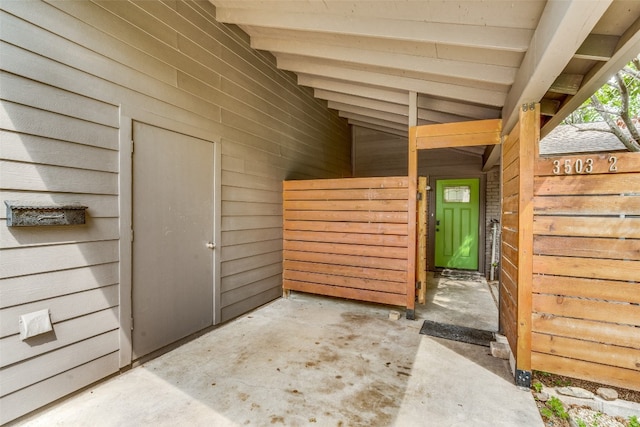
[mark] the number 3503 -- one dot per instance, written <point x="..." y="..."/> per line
<point x="580" y="166"/>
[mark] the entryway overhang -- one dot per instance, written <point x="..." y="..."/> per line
<point x="388" y="65"/>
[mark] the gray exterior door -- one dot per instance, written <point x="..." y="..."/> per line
<point x="173" y="225"/>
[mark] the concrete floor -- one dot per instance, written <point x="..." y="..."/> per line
<point x="311" y="360"/>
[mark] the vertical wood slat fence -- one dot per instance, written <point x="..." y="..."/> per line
<point x="347" y="238"/>
<point x="586" y="267"/>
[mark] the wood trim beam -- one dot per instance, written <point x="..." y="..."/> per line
<point x="563" y="27"/>
<point x="400" y="133"/>
<point x="353" y="88"/>
<point x="376" y="114"/>
<point x="359" y="101"/>
<point x="628" y="47"/>
<point x="529" y="137"/>
<point x="597" y="47"/>
<point x="367" y="119"/>
<point x="445" y="90"/>
<point x="358" y="55"/>
<point x="465" y="134"/>
<point x="476" y="36"/>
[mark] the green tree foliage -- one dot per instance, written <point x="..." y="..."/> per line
<point x="617" y="103"/>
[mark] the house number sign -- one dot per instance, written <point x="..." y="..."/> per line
<point x="579" y="166"/>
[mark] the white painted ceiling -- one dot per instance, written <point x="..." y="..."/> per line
<point x="464" y="60"/>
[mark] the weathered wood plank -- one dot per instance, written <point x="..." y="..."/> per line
<point x="421" y="262"/>
<point x="625" y="378"/>
<point x="346" y="183"/>
<point x="345" y="249"/>
<point x="587" y="309"/>
<point x="349" y="238"/>
<point x="587" y="226"/>
<point x="511" y="172"/>
<point x="450" y="141"/>
<point x="587" y="247"/>
<point x="347" y="194"/>
<point x="609" y="290"/>
<point x="587" y="205"/>
<point x="345" y="216"/>
<point x="510" y="187"/>
<point x="348" y="271"/>
<point x="350" y="293"/>
<point x="459" y="128"/>
<point x="347" y="205"/>
<point x="348" y="227"/>
<point x="510" y="204"/>
<point x="590" y="330"/>
<point x="592" y="268"/>
<point x="345" y="282"/>
<point x="625" y="163"/>
<point x="350" y="260"/>
<point x="586" y="184"/>
<point x="605" y="354"/>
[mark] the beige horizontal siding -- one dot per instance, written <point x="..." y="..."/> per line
<point x="70" y="72"/>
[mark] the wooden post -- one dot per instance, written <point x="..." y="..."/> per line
<point x="411" y="223"/>
<point x="529" y="137"/>
<point x="422" y="240"/>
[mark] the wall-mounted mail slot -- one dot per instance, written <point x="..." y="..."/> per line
<point x="26" y="214"/>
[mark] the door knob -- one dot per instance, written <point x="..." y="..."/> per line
<point x="211" y="245"/>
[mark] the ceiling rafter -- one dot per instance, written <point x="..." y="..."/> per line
<point x="445" y="90"/>
<point x="628" y="47"/>
<point x="357" y="55"/>
<point x="503" y="38"/>
<point x="563" y="27"/>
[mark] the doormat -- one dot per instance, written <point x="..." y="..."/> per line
<point x="461" y="275"/>
<point x="457" y="333"/>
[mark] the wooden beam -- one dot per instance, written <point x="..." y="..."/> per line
<point x="628" y="47"/>
<point x="477" y="36"/>
<point x="421" y="263"/>
<point x="353" y="88"/>
<point x="491" y="157"/>
<point x="597" y="47"/>
<point x="563" y="27"/>
<point x="360" y="55"/>
<point x="411" y="225"/>
<point x="529" y="138"/>
<point x="413" y="109"/>
<point x="463" y="134"/>
<point x="567" y="84"/>
<point x="401" y="133"/>
<point x="380" y="78"/>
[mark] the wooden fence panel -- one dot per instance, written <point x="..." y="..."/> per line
<point x="586" y="267"/>
<point x="347" y="238"/>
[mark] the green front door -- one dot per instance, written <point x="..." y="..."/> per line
<point x="457" y="213"/>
